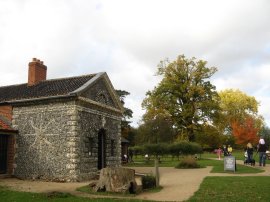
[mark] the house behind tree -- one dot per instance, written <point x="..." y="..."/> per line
<point x="60" y="129"/>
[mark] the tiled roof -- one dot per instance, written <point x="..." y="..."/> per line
<point x="47" y="88"/>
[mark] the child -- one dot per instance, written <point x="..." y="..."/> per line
<point x="219" y="151"/>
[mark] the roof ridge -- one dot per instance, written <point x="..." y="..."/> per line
<point x="47" y="80"/>
<point x="71" y="77"/>
<point x="20" y="84"/>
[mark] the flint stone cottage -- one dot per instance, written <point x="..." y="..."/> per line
<point x="60" y="129"/>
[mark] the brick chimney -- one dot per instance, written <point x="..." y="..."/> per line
<point x="37" y="72"/>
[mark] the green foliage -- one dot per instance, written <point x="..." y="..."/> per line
<point x="126" y="130"/>
<point x="210" y="137"/>
<point x="184" y="148"/>
<point x="148" y="182"/>
<point x="185" y="95"/>
<point x="236" y="106"/>
<point x="188" y="162"/>
<point x="265" y="133"/>
<point x="156" y="149"/>
<point x="218" y="165"/>
<point x="137" y="150"/>
<point x="176" y="149"/>
<point x="159" y="129"/>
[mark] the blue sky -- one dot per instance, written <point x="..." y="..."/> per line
<point x="128" y="38"/>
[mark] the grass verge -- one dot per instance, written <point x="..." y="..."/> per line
<point x="240" y="189"/>
<point x="88" y="190"/>
<point x="7" y="195"/>
<point x="218" y="167"/>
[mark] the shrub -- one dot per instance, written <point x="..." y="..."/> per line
<point x="156" y="149"/>
<point x="137" y="150"/>
<point x="148" y="181"/>
<point x="188" y="162"/>
<point x="184" y="148"/>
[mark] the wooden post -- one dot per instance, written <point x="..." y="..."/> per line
<point x="157" y="171"/>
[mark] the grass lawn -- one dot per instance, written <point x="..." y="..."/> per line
<point x="233" y="189"/>
<point x="239" y="155"/>
<point x="86" y="189"/>
<point x="218" y="165"/>
<point x="7" y="195"/>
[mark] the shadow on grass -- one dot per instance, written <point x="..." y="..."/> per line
<point x="87" y="189"/>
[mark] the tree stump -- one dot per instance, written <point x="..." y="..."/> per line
<point x="117" y="179"/>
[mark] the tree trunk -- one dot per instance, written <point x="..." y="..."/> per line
<point x="117" y="179"/>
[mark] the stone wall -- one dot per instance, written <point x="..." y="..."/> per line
<point x="90" y="122"/>
<point x="99" y="93"/>
<point x="46" y="146"/>
<point x="58" y="141"/>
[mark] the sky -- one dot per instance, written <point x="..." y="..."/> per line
<point x="128" y="38"/>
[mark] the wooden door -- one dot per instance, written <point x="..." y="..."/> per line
<point x="101" y="149"/>
<point x="3" y="153"/>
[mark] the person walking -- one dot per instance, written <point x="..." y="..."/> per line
<point x="229" y="150"/>
<point x="225" y="150"/>
<point x="261" y="149"/>
<point x="219" y="151"/>
<point x="130" y="153"/>
<point x="249" y="151"/>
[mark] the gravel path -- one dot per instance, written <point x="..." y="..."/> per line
<point x="178" y="184"/>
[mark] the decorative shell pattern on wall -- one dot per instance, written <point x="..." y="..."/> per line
<point x="41" y="134"/>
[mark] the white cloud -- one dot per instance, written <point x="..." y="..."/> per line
<point x="127" y="39"/>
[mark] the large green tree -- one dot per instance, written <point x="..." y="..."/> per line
<point x="126" y="129"/>
<point x="237" y="106"/>
<point x="157" y="130"/>
<point x="185" y="95"/>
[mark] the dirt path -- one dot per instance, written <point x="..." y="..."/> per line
<point x="178" y="184"/>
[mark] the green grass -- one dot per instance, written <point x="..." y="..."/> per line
<point x="87" y="189"/>
<point x="240" y="189"/>
<point x="7" y="195"/>
<point x="218" y="167"/>
<point x="153" y="190"/>
<point x="239" y="155"/>
<point x="139" y="161"/>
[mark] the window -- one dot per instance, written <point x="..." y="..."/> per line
<point x="112" y="147"/>
<point x="90" y="146"/>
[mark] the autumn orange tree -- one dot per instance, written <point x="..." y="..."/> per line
<point x="245" y="132"/>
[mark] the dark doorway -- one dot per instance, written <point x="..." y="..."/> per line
<point x="101" y="149"/>
<point x="3" y="153"/>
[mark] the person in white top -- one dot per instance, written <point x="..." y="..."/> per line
<point x="261" y="141"/>
<point x="261" y="149"/>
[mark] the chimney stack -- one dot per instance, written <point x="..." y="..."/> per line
<point x="37" y="72"/>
